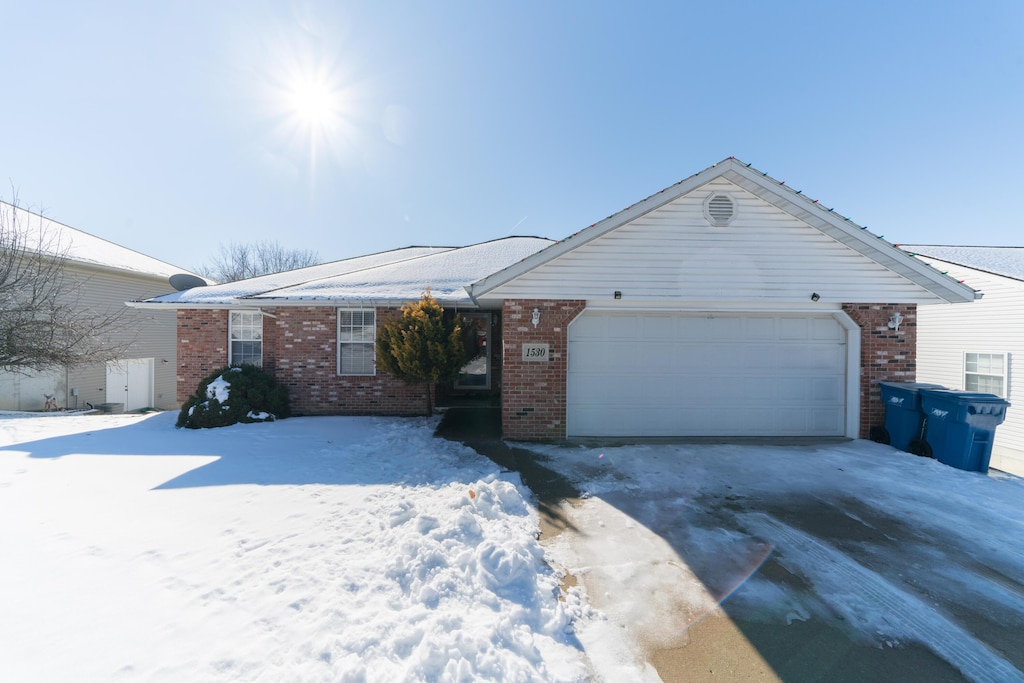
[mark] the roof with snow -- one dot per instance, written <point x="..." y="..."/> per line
<point x="42" y="235"/>
<point x="393" y="276"/>
<point x="1005" y="261"/>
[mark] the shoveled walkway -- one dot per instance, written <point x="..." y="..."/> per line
<point x="710" y="565"/>
<point x="479" y="427"/>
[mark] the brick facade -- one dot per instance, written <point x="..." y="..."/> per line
<point x="533" y="400"/>
<point x="300" y="351"/>
<point x="202" y="347"/>
<point x="885" y="355"/>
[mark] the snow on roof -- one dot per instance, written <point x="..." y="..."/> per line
<point x="397" y="275"/>
<point x="229" y="292"/>
<point x="56" y="239"/>
<point x="1005" y="261"/>
<point x="447" y="274"/>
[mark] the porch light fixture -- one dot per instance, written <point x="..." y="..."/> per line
<point x="618" y="294"/>
<point x="815" y="296"/>
<point x="535" y="318"/>
<point x="895" y="320"/>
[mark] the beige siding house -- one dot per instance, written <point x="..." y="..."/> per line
<point x="979" y="347"/>
<point x="102" y="276"/>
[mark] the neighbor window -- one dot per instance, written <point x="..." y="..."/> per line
<point x="357" y="336"/>
<point x="985" y="372"/>
<point x="245" y="332"/>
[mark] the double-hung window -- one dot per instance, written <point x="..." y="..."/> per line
<point x="357" y="338"/>
<point x="245" y="332"/>
<point x="985" y="372"/>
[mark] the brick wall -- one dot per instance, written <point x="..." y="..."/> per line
<point x="300" y="351"/>
<point x="885" y="355"/>
<point x="533" y="396"/>
<point x="306" y="360"/>
<point x="202" y="347"/>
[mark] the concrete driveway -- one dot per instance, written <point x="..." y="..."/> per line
<point x="849" y="561"/>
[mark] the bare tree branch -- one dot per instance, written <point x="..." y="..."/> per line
<point x="238" y="260"/>
<point x="43" y="322"/>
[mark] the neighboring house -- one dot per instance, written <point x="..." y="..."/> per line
<point x="725" y="305"/>
<point x="101" y="276"/>
<point x="975" y="348"/>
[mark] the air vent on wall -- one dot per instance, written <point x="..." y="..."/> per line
<point x="719" y="209"/>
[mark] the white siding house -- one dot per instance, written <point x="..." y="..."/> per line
<point x="979" y="346"/>
<point x="102" y="276"/>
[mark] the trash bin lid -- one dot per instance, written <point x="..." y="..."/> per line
<point x="911" y="386"/>
<point x="963" y="397"/>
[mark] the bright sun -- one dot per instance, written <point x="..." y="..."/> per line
<point x="314" y="102"/>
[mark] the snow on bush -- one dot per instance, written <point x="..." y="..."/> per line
<point x="243" y="393"/>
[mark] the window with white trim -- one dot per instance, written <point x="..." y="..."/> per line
<point x="245" y="334"/>
<point x="357" y="339"/>
<point x="985" y="372"/>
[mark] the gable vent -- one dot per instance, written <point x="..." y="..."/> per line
<point x="719" y="209"/>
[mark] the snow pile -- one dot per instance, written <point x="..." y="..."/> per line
<point x="311" y="549"/>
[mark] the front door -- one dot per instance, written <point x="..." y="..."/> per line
<point x="476" y="337"/>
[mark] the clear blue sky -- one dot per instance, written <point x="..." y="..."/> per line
<point x="173" y="127"/>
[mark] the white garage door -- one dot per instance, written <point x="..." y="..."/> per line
<point x="669" y="374"/>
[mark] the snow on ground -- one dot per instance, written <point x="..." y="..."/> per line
<point x="855" y="544"/>
<point x="365" y="549"/>
<point x="309" y="549"/>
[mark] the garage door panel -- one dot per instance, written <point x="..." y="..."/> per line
<point x="826" y="329"/>
<point x="698" y="375"/>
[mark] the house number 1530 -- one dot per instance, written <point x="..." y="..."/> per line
<point x="535" y="352"/>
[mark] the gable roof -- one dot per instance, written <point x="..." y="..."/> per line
<point x="810" y="212"/>
<point x="51" y="238"/>
<point x="388" y="277"/>
<point x="1005" y="261"/>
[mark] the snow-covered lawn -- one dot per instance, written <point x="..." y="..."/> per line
<point x="365" y="549"/>
<point x="310" y="549"/>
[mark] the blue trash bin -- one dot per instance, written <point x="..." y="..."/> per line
<point x="961" y="426"/>
<point x="903" y="417"/>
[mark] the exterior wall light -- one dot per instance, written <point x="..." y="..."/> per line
<point x="535" y="318"/>
<point x="618" y="294"/>
<point x="815" y="296"/>
<point x="895" y="320"/>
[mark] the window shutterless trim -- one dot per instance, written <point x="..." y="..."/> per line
<point x="357" y="333"/>
<point x="249" y="331"/>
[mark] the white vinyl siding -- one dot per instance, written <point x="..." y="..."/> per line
<point x="245" y="331"/>
<point x="667" y="374"/>
<point x="151" y="333"/>
<point x="672" y="254"/>
<point x="985" y="372"/>
<point x="993" y="324"/>
<point x="357" y="337"/>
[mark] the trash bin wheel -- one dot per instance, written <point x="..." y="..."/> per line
<point x="879" y="434"/>
<point x="920" y="447"/>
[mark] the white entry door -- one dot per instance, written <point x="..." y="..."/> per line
<point x="130" y="381"/>
<point x="721" y="374"/>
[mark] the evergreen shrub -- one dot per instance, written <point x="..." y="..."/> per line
<point x="241" y="393"/>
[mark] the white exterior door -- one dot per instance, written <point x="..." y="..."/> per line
<point x="130" y="381"/>
<point x="721" y="374"/>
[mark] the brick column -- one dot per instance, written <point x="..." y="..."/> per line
<point x="885" y="355"/>
<point x="202" y="347"/>
<point x="533" y="396"/>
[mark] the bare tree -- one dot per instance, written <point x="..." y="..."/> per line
<point x="43" y="323"/>
<point x="238" y="261"/>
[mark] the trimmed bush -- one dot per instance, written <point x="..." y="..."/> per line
<point x="243" y="393"/>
